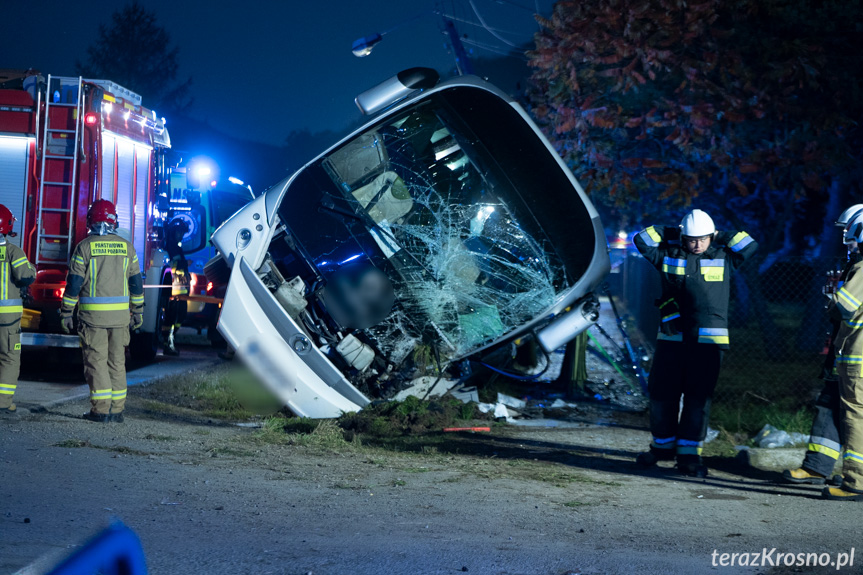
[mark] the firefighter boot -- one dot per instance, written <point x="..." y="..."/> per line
<point x="691" y="466"/>
<point x="10" y="412"/>
<point x="96" y="417"/>
<point x="802" y="475"/>
<point x="169" y="347"/>
<point x="650" y="458"/>
<point x="840" y="494"/>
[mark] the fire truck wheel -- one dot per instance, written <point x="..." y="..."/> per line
<point x="143" y="346"/>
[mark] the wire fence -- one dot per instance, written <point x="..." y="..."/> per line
<point x="779" y="334"/>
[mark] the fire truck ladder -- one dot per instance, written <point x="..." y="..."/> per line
<point x="61" y="149"/>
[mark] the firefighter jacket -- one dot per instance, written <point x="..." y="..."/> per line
<point x="104" y="281"/>
<point x="699" y="285"/>
<point x="15" y="273"/>
<point x="181" y="280"/>
<point x="847" y="301"/>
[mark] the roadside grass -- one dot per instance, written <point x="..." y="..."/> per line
<point x="749" y="418"/>
<point x="225" y="392"/>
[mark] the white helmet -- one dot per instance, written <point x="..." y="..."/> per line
<point x="854" y="230"/>
<point x="697" y="224"/>
<point x="848" y="215"/>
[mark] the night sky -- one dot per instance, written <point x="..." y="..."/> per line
<point x="273" y="67"/>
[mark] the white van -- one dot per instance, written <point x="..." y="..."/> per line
<point x="442" y="234"/>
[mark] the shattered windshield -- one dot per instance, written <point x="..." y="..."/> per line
<point x="457" y="202"/>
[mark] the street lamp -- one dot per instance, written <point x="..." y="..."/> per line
<point x="362" y="47"/>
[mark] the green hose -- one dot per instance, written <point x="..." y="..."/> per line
<point x="613" y="363"/>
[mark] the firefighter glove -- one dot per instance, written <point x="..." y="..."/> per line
<point x="136" y="321"/>
<point x="66" y="323"/>
<point x="669" y="317"/>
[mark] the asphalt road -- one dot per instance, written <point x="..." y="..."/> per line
<point x="208" y="497"/>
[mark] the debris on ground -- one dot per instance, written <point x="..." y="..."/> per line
<point x="771" y="437"/>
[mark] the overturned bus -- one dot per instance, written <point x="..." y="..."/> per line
<point x="435" y="239"/>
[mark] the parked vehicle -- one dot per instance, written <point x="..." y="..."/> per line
<point x="432" y="241"/>
<point x="202" y="199"/>
<point x="64" y="143"/>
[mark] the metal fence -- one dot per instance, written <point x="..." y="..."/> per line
<point x="779" y="331"/>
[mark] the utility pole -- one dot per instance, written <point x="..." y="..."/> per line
<point x="462" y="63"/>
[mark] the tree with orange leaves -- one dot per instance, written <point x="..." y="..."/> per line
<point x="748" y="106"/>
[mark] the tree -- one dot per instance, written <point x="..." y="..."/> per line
<point x="135" y="52"/>
<point x="749" y="107"/>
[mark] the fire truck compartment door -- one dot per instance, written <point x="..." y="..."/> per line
<point x="279" y="353"/>
<point x="14" y="158"/>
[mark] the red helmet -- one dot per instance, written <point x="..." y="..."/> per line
<point x="102" y="211"/>
<point x="7" y="220"/>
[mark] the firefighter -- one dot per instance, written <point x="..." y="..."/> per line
<point x="825" y="437"/>
<point x="847" y="306"/>
<point x="105" y="284"/>
<point x="16" y="273"/>
<point x="695" y="264"/>
<point x="175" y="311"/>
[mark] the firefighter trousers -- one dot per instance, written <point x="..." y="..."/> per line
<point x="10" y="361"/>
<point x="825" y="438"/>
<point x="851" y="392"/>
<point x="104" y="350"/>
<point x="688" y="370"/>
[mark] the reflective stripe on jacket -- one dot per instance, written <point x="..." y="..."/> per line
<point x="104" y="281"/>
<point x="848" y="301"/>
<point x="15" y="272"/>
<point x="700" y="284"/>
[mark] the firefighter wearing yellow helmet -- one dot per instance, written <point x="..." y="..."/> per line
<point x="105" y="283"/>
<point x="15" y="274"/>
<point x="695" y="264"/>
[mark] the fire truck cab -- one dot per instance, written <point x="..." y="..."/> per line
<point x="64" y="143"/>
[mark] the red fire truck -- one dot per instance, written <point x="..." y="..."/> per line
<point x="65" y="142"/>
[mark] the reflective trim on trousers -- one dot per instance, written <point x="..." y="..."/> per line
<point x="689" y="447"/>
<point x="663" y="442"/>
<point x="831" y="453"/>
<point x="98" y="394"/>
<point x="853" y="456"/>
<point x="7" y="388"/>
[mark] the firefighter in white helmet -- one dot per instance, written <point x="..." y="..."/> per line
<point x="15" y="274"/>
<point x="105" y="283"/>
<point x="825" y="437"/>
<point x="695" y="264"/>
<point x="847" y="305"/>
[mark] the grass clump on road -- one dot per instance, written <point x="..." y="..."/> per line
<point x="301" y="431"/>
<point x="224" y="392"/>
<point x="409" y="417"/>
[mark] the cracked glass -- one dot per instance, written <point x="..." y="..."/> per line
<point x="456" y="201"/>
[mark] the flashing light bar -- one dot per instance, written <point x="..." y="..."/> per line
<point x="234" y="180"/>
